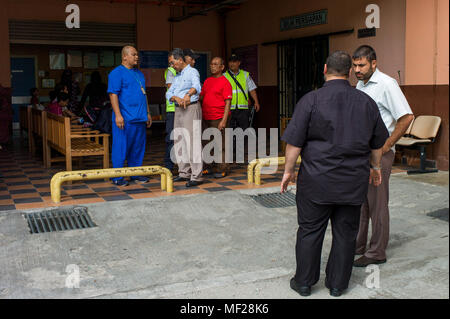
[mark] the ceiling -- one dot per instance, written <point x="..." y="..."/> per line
<point x="191" y="8"/>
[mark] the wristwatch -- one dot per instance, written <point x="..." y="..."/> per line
<point x="377" y="168"/>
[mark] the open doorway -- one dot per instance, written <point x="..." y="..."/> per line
<point x="300" y="70"/>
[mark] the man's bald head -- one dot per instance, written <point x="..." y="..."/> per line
<point x="130" y="56"/>
<point x="126" y="50"/>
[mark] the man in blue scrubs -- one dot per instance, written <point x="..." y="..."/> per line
<point x="131" y="116"/>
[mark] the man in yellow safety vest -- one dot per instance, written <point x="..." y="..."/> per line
<point x="169" y="75"/>
<point x="242" y="85"/>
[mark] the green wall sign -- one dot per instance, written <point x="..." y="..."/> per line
<point x="304" y="20"/>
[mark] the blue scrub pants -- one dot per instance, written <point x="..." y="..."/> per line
<point x="128" y="144"/>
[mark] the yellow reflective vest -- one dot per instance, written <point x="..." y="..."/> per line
<point x="170" y="106"/>
<point x="239" y="100"/>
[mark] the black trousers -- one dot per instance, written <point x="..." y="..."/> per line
<point x="240" y="118"/>
<point x="313" y="221"/>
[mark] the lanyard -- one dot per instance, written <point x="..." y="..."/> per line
<point x="137" y="80"/>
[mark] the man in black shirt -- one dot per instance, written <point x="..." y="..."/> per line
<point x="339" y="133"/>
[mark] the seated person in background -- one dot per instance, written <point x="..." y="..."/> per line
<point x="95" y="90"/>
<point x="90" y="112"/>
<point x="34" y="92"/>
<point x="52" y="95"/>
<point x="60" y="106"/>
<point x="58" y="88"/>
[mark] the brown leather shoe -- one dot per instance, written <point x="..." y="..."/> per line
<point x="364" y="261"/>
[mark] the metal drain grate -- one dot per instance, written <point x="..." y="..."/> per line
<point x="59" y="220"/>
<point x="275" y="200"/>
<point x="441" y="214"/>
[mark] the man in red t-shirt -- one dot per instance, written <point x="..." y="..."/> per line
<point x="216" y="98"/>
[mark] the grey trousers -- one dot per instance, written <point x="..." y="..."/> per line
<point x="188" y="141"/>
<point x="376" y="209"/>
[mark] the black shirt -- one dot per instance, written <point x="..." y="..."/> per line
<point x="336" y="126"/>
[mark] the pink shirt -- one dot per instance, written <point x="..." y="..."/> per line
<point x="55" y="108"/>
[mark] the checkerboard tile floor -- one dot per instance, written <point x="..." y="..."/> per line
<point x="25" y="182"/>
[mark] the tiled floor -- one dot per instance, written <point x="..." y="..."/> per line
<point x="25" y="182"/>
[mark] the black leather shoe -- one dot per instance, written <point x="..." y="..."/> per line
<point x="220" y="175"/>
<point x="180" y="179"/>
<point x="193" y="183"/>
<point x="364" y="261"/>
<point x="304" y="291"/>
<point x="335" y="292"/>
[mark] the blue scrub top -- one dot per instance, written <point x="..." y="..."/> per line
<point x="126" y="84"/>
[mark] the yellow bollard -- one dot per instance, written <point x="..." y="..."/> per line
<point x="61" y="177"/>
<point x="250" y="169"/>
<point x="264" y="162"/>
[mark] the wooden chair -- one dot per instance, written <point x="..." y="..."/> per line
<point x="24" y="123"/>
<point x="38" y="131"/>
<point x="74" y="143"/>
<point x="421" y="133"/>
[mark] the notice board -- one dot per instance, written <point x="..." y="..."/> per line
<point x="153" y="59"/>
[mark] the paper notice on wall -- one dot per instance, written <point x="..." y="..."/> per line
<point x="74" y="59"/>
<point x="90" y="60"/>
<point x="48" y="83"/>
<point x="107" y="58"/>
<point x="57" y="60"/>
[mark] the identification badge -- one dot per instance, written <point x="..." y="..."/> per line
<point x="143" y="91"/>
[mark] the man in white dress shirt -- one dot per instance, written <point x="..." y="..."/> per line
<point x="397" y="116"/>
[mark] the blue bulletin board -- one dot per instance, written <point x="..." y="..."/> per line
<point x="153" y="59"/>
<point x="158" y="60"/>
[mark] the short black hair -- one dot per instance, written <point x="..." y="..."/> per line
<point x="62" y="96"/>
<point x="234" y="57"/>
<point x="365" y="51"/>
<point x="339" y="63"/>
<point x="177" y="53"/>
<point x="59" y="87"/>
<point x="33" y="90"/>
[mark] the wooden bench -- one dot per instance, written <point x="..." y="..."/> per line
<point x="73" y="143"/>
<point x="24" y="122"/>
<point x="38" y="130"/>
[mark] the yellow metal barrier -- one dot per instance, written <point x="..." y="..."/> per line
<point x="61" y="177"/>
<point x="258" y="164"/>
<point x="250" y="170"/>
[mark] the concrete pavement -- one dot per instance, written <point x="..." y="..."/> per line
<point x="218" y="245"/>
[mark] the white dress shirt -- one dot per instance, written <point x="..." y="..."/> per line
<point x="391" y="102"/>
